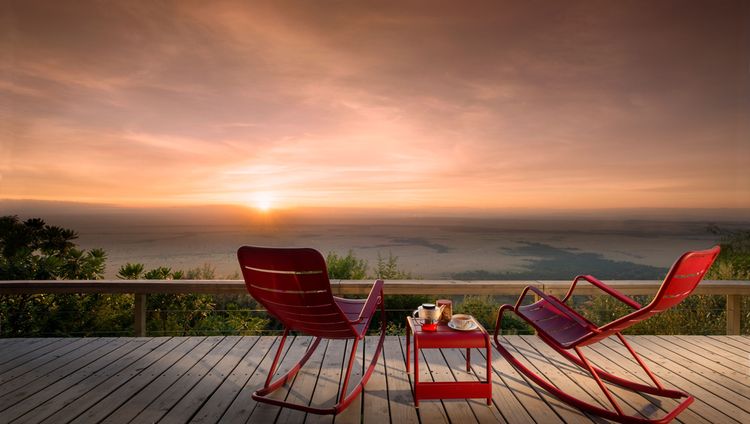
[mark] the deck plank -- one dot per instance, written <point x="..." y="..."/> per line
<point x="38" y="366"/>
<point x="327" y="386"/>
<point x="243" y="405"/>
<point x="139" y="379"/>
<point x="631" y="403"/>
<point x="618" y="355"/>
<point x="519" y="387"/>
<point x="508" y="407"/>
<point x="83" y="403"/>
<point x="627" y="368"/>
<point x="700" y="371"/>
<point x="159" y="407"/>
<point x="714" y="346"/>
<point x="209" y="380"/>
<point x="220" y="400"/>
<point x="432" y="411"/>
<point x="143" y="398"/>
<point x="531" y="359"/>
<point x="75" y="390"/>
<point x="706" y="357"/>
<point x="400" y="396"/>
<point x="455" y="359"/>
<point x="68" y="376"/>
<point x="36" y="381"/>
<point x="376" y="389"/>
<point x="191" y="403"/>
<point x="458" y="410"/>
<point x="353" y="413"/>
<point x="267" y="413"/>
<point x="23" y="350"/>
<point x="743" y="342"/>
<point x="676" y="376"/>
<point x="304" y="386"/>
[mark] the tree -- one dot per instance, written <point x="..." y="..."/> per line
<point x="130" y="271"/>
<point x="33" y="250"/>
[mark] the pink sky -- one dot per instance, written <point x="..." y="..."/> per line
<point x="560" y="105"/>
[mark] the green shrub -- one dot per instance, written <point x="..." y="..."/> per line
<point x="347" y="267"/>
<point x="484" y="309"/>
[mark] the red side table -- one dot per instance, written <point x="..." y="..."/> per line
<point x="446" y="337"/>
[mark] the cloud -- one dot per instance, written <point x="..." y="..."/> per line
<point x="488" y="104"/>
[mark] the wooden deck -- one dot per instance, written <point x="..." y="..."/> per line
<point x="209" y="379"/>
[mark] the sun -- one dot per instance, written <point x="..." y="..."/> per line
<point x="263" y="201"/>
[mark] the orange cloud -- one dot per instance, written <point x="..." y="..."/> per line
<point x="490" y="106"/>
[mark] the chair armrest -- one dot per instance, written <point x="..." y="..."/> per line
<point x="562" y="307"/>
<point x="603" y="287"/>
<point x="372" y="302"/>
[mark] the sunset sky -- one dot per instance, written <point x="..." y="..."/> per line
<point x="279" y="104"/>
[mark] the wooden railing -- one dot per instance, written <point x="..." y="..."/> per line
<point x="733" y="290"/>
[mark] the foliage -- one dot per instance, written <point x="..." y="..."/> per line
<point x="398" y="308"/>
<point x="388" y="269"/>
<point x="347" y="267"/>
<point x="205" y="272"/>
<point x="350" y="267"/>
<point x="33" y="250"/>
<point x="191" y="314"/>
<point x="169" y="313"/>
<point x="130" y="271"/>
<point x="484" y="309"/>
<point x="733" y="262"/>
<point x="697" y="314"/>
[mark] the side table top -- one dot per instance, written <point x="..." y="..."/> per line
<point x="445" y="336"/>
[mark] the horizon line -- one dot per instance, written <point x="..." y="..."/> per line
<point x="67" y="207"/>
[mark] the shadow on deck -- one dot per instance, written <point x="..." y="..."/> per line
<point x="210" y="379"/>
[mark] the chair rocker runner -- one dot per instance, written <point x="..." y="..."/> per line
<point x="292" y="284"/>
<point x="563" y="329"/>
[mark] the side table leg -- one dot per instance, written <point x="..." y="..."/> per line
<point x="468" y="360"/>
<point x="416" y="374"/>
<point x="408" y="338"/>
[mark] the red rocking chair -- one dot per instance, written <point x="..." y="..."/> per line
<point x="562" y="328"/>
<point x="292" y="284"/>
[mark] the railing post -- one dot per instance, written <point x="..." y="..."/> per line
<point x="734" y="313"/>
<point x="140" y="315"/>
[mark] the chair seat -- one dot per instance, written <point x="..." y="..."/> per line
<point x="352" y="308"/>
<point x="556" y="325"/>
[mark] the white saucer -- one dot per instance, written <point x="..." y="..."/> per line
<point x="471" y="327"/>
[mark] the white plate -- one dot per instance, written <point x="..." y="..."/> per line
<point x="473" y="326"/>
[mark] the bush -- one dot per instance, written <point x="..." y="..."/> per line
<point x="33" y="250"/>
<point x="347" y="267"/>
<point x="484" y="309"/>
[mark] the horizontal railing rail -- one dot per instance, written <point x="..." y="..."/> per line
<point x="732" y="289"/>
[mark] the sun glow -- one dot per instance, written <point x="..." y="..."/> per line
<point x="263" y="201"/>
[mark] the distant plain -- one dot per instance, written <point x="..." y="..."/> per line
<point x="449" y="248"/>
<point x="610" y="246"/>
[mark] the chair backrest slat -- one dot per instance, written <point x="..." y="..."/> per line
<point x="683" y="278"/>
<point x="679" y="283"/>
<point x="293" y="285"/>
